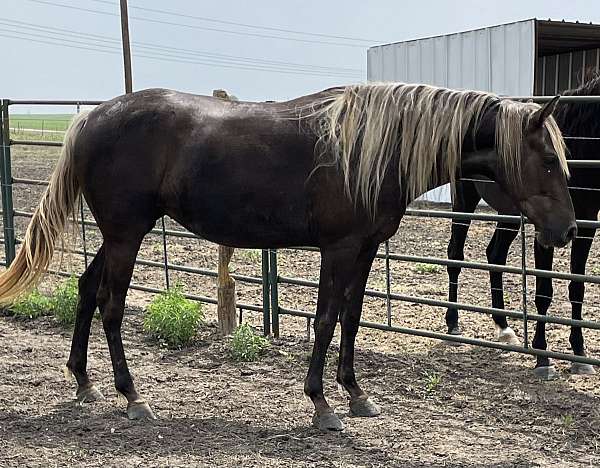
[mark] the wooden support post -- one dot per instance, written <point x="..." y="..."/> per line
<point x="126" y="47"/>
<point x="226" y="293"/>
<point x="226" y="284"/>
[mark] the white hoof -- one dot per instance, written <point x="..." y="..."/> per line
<point x="578" y="368"/>
<point x="546" y="373"/>
<point x="508" y="336"/>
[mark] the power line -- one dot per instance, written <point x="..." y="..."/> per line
<point x="233" y="23"/>
<point x="96" y="37"/>
<point x="31" y="37"/>
<point x="196" y="27"/>
<point x="209" y="61"/>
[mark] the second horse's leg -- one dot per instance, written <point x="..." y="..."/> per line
<point x="579" y="255"/>
<point x="497" y="252"/>
<point x="465" y="200"/>
<point x="543" y="297"/>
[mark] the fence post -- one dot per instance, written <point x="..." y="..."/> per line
<point x="226" y="284"/>
<point x="6" y="180"/>
<point x="266" y="293"/>
<point x="165" y="254"/>
<point x="2" y="185"/>
<point x="524" y="284"/>
<point x="388" y="284"/>
<point x="273" y="278"/>
<point x="226" y="293"/>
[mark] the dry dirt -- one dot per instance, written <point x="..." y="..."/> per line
<point x="442" y="405"/>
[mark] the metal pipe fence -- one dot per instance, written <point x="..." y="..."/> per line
<point x="271" y="306"/>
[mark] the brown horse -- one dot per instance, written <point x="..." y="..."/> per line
<point x="334" y="170"/>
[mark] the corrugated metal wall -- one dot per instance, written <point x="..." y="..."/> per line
<point x="500" y="59"/>
<point x="556" y="73"/>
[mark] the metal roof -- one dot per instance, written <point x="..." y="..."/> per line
<point x="557" y="37"/>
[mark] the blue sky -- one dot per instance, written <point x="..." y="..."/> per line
<point x="39" y="68"/>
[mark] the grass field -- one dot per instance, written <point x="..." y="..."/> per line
<point x="53" y="122"/>
<point x="45" y="127"/>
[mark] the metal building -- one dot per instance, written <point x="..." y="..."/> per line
<point x="524" y="58"/>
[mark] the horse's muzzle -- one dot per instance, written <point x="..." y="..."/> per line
<point x="547" y="238"/>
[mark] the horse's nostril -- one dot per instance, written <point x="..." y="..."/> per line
<point x="571" y="233"/>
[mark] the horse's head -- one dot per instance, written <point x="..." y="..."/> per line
<point x="528" y="161"/>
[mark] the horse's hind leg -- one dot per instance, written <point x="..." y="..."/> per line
<point x="77" y="363"/>
<point x="119" y="262"/>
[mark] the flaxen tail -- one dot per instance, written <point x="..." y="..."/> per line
<point x="50" y="220"/>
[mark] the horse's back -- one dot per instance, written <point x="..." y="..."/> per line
<point x="218" y="167"/>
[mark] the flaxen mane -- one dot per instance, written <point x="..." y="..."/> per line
<point x="366" y="127"/>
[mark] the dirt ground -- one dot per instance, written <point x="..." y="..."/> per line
<point x="442" y="405"/>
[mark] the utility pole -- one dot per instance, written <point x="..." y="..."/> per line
<point x="126" y="46"/>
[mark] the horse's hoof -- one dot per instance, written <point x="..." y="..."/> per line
<point x="364" y="408"/>
<point x="508" y="336"/>
<point x="579" y="368"/>
<point x="139" y="410"/>
<point x="327" y="422"/>
<point x="89" y="394"/>
<point x="546" y="373"/>
<point x="456" y="331"/>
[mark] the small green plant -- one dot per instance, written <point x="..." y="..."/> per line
<point x="247" y="345"/>
<point x="427" y="268"/>
<point x="432" y="381"/>
<point x="252" y="255"/>
<point x="64" y="301"/>
<point x="567" y="420"/>
<point x="32" y="305"/>
<point x="596" y="271"/>
<point x="173" y="318"/>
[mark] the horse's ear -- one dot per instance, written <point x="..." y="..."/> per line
<point x="544" y="112"/>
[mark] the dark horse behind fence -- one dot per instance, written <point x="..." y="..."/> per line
<point x="334" y="170"/>
<point x="575" y="120"/>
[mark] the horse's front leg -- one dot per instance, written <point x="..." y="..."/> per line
<point x="337" y="288"/>
<point x="579" y="255"/>
<point x="360" y="403"/>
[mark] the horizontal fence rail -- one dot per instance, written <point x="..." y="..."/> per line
<point x="271" y="307"/>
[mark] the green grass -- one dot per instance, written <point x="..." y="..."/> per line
<point x="32" y="305"/>
<point x="58" y="122"/>
<point x="432" y="381"/>
<point x="427" y="268"/>
<point x="246" y="345"/>
<point x="62" y="304"/>
<point x="29" y="126"/>
<point x="172" y="318"/>
<point x="566" y="420"/>
<point x="252" y="255"/>
<point x="64" y="301"/>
